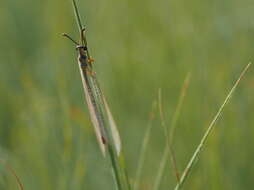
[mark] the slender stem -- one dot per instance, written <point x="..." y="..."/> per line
<point x="179" y="107"/>
<point x="173" y="125"/>
<point x="168" y="143"/>
<point x="81" y="27"/>
<point x="144" y="147"/>
<point x="195" y="155"/>
<point x="77" y="16"/>
<point x="12" y="171"/>
<point x="161" y="168"/>
<point x="115" y="166"/>
<point x="118" y="170"/>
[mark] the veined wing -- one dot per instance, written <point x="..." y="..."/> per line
<point x="111" y="121"/>
<point x="95" y="114"/>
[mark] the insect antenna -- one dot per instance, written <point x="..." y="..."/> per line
<point x="81" y="27"/>
<point x="70" y="38"/>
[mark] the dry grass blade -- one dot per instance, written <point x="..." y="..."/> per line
<point x="172" y="130"/>
<point x="144" y="147"/>
<point x="208" y="131"/>
<point x="12" y="171"/>
<point x="169" y="149"/>
<point x="179" y="107"/>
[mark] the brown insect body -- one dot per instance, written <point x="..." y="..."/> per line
<point x="90" y="93"/>
<point x="96" y="102"/>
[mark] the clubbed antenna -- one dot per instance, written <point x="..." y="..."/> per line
<point x="70" y="38"/>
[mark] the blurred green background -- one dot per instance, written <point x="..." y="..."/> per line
<point x="139" y="47"/>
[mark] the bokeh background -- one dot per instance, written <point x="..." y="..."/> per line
<point x="139" y="47"/>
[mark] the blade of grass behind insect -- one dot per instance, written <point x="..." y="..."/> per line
<point x="75" y="7"/>
<point x="203" y="141"/>
<point x="144" y="147"/>
<point x="172" y="129"/>
<point x="80" y="25"/>
<point x="117" y="159"/>
<point x="114" y="144"/>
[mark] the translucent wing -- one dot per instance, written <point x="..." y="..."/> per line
<point x="114" y="130"/>
<point x="111" y="122"/>
<point x="95" y="114"/>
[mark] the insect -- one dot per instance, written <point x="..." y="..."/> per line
<point x="100" y="114"/>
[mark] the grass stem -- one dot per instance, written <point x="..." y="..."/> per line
<point x="171" y="133"/>
<point x="203" y="141"/>
<point x="144" y="147"/>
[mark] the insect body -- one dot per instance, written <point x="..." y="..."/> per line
<point x="96" y="102"/>
<point x="101" y="117"/>
<point x="82" y="58"/>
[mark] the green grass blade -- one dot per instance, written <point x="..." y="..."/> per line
<point x="177" y="112"/>
<point x="114" y="142"/>
<point x="75" y="7"/>
<point x="168" y="142"/>
<point x="161" y="169"/>
<point x="171" y="133"/>
<point x="168" y="148"/>
<point x="144" y="146"/>
<point x="13" y="173"/>
<point x="194" y="157"/>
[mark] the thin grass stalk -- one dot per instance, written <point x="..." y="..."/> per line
<point x="13" y="173"/>
<point x="168" y="146"/>
<point x="113" y="147"/>
<point x="144" y="146"/>
<point x="161" y="169"/>
<point x="203" y="141"/>
<point x="168" y="142"/>
<point x="178" y="109"/>
<point x="76" y="12"/>
<point x="172" y="129"/>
